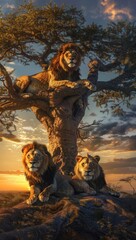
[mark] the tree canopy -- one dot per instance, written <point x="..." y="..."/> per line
<point x="32" y="34"/>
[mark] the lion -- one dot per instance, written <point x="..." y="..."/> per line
<point x="42" y="175"/>
<point x="62" y="71"/>
<point x="89" y="177"/>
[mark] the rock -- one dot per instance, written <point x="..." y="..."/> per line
<point x="76" y="218"/>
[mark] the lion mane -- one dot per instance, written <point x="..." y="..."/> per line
<point x="45" y="158"/>
<point x="89" y="176"/>
<point x="59" y="67"/>
<point x="39" y="170"/>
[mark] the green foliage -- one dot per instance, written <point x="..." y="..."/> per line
<point x="119" y="42"/>
<point x="32" y="34"/>
<point x="114" y="101"/>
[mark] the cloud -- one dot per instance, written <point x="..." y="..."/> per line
<point x="10" y="70"/>
<point x="115" y="12"/>
<point x="10" y="137"/>
<point x="115" y="128"/>
<point x="11" y="63"/>
<point x="29" y="128"/>
<point x="120" y="166"/>
<point x="104" y="129"/>
<point x="113" y="137"/>
<point x="119" y="144"/>
<point x="8" y="6"/>
<point x="92" y="114"/>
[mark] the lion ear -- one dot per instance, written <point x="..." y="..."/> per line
<point x="44" y="148"/>
<point x="79" y="158"/>
<point x="89" y="156"/>
<point x="24" y="147"/>
<point x="97" y="158"/>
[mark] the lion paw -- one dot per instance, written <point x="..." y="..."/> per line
<point x="114" y="194"/>
<point x="72" y="85"/>
<point x="31" y="201"/>
<point x="89" y="85"/>
<point x="92" y="192"/>
<point x="43" y="198"/>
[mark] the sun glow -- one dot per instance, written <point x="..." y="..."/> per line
<point x="12" y="182"/>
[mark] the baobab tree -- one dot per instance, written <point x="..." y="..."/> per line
<point x="31" y="34"/>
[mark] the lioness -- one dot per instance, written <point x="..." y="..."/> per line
<point x="89" y="176"/>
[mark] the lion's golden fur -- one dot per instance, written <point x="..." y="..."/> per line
<point x="89" y="176"/>
<point x="57" y="73"/>
<point x="83" y="165"/>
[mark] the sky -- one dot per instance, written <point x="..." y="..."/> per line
<point x="113" y="138"/>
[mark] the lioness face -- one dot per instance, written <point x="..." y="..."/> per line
<point x="34" y="159"/>
<point x="88" y="168"/>
<point x="70" y="59"/>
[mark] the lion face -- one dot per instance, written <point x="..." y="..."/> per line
<point x="70" y="59"/>
<point x="87" y="168"/>
<point x="66" y="61"/>
<point x="35" y="158"/>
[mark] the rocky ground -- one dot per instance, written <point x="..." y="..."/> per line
<point x="78" y="218"/>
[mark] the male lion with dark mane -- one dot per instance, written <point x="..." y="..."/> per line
<point x="89" y="177"/>
<point x="41" y="173"/>
<point x="62" y="71"/>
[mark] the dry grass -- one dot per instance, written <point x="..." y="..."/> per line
<point x="10" y="199"/>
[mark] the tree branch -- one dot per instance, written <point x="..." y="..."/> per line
<point x="23" y="103"/>
<point x="107" y="67"/>
<point x="8" y="80"/>
<point x="117" y="84"/>
<point x="61" y="92"/>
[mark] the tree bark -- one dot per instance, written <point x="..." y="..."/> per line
<point x="62" y="124"/>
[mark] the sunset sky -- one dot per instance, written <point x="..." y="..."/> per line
<point x="113" y="138"/>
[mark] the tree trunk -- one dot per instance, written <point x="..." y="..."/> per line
<point x="63" y="143"/>
<point x="62" y="124"/>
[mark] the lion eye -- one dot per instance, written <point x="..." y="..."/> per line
<point x="83" y="164"/>
<point x="75" y="54"/>
<point x="28" y="156"/>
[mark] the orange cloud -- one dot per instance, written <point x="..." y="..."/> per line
<point x="113" y="12"/>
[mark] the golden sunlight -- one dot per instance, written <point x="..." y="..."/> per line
<point x="113" y="180"/>
<point x="12" y="182"/>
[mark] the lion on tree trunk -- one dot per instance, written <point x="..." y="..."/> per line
<point x="62" y="71"/>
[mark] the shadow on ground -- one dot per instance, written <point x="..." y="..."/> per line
<point x="77" y="218"/>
